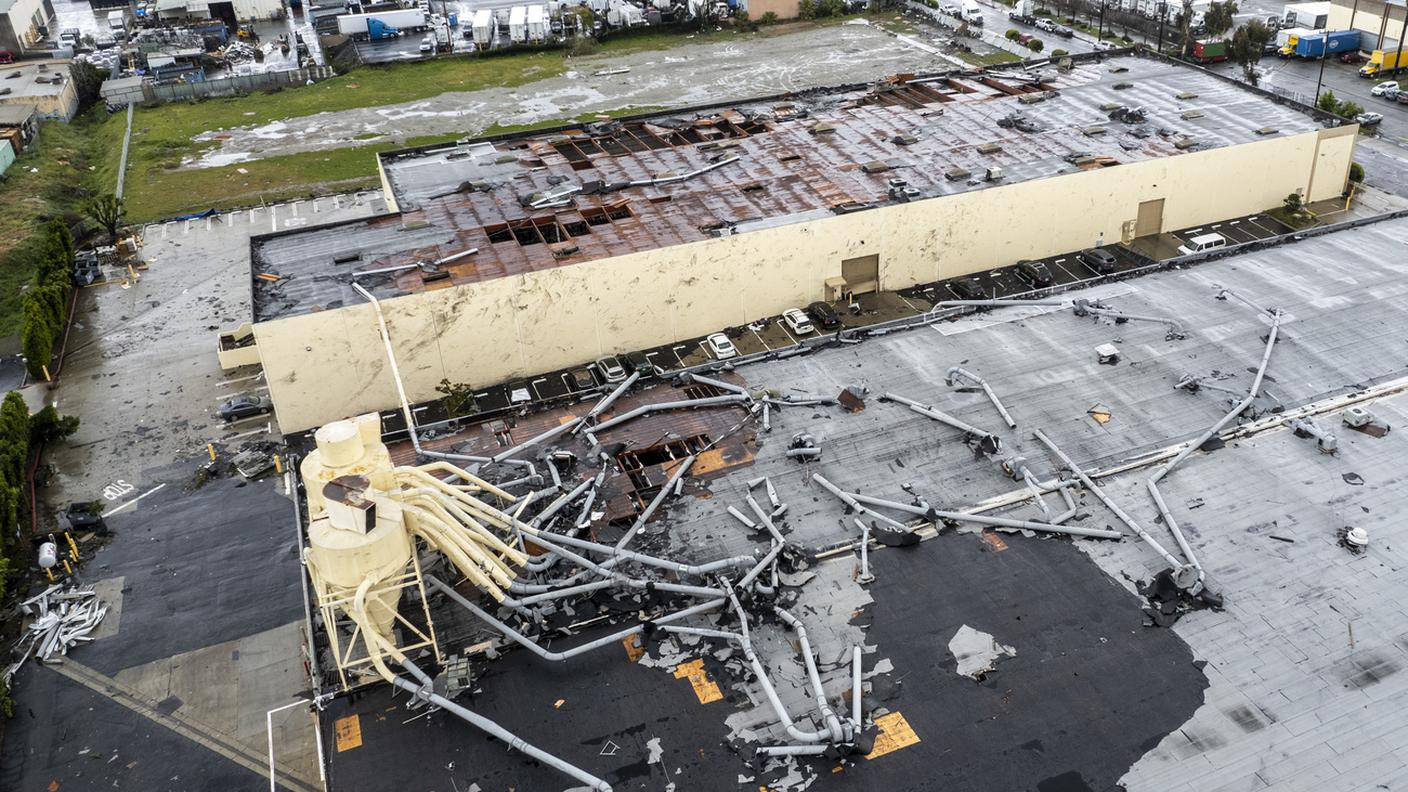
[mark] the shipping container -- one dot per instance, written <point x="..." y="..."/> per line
<point x="537" y="24"/>
<point x="486" y="28"/>
<point x="518" y="24"/>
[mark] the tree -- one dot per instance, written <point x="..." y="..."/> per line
<point x="1219" y="18"/>
<point x="1292" y="202"/>
<point x="107" y="211"/>
<point x="1348" y="109"/>
<point x="1356" y="172"/>
<point x="1035" y="45"/>
<point x="1185" y="26"/>
<point x="36" y="338"/>
<point x="1246" y="46"/>
<point x="47" y="425"/>
<point x="87" y="83"/>
<point x="1327" y="101"/>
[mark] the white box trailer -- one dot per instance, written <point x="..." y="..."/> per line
<point x="485" y="28"/>
<point x="518" y="24"/>
<point x="402" y="20"/>
<point x="1314" y="16"/>
<point x="537" y="24"/>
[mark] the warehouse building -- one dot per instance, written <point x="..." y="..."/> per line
<point x="515" y="255"/>
<point x="44" y="87"/>
<point x="1383" y="22"/>
<point x="22" y="24"/>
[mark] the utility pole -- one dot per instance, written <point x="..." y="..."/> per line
<point x="1398" y="61"/>
<point x="1163" y="14"/>
<point x="1100" y="31"/>
<point x="1326" y="56"/>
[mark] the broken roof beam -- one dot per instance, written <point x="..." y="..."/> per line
<point x="934" y="515"/>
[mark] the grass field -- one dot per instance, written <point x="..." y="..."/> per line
<point x="68" y="164"/>
<point x="164" y="136"/>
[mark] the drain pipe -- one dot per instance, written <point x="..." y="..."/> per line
<point x="656" y="501"/>
<point x="998" y="303"/>
<point x="944" y="418"/>
<point x="712" y="401"/>
<point x="854" y="502"/>
<point x="1123" y="516"/>
<point x="857" y="714"/>
<point x="690" y="377"/>
<point x="1086" y="307"/>
<point x="425" y="692"/>
<point x="746" y="643"/>
<point x="865" y="576"/>
<point x="934" y="515"/>
<point x="1193" y="581"/>
<point x="558" y="657"/>
<point x="532" y="441"/>
<point x="956" y="374"/>
<point x="833" y="723"/>
<point x="611" y="397"/>
<point x="406" y="403"/>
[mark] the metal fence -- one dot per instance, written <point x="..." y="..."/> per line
<point x="225" y="86"/>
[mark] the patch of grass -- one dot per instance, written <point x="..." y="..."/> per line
<point x="991" y="59"/>
<point x="1293" y="220"/>
<point x="70" y="164"/>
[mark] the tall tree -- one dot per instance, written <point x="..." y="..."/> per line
<point x="106" y="211"/>
<point x="1219" y="18"/>
<point x="1246" y="47"/>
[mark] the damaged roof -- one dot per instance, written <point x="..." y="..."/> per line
<point x="541" y="200"/>
<point x="1291" y="684"/>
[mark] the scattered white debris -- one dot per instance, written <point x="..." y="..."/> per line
<point x="976" y="651"/>
<point x="62" y="618"/>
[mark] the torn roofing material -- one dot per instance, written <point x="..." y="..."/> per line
<point x="542" y="200"/>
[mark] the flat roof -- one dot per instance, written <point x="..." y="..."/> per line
<point x="46" y="78"/>
<point x="1270" y="689"/>
<point x="543" y="200"/>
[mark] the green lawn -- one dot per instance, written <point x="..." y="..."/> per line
<point x="163" y="136"/>
<point x="68" y="164"/>
<point x="993" y="58"/>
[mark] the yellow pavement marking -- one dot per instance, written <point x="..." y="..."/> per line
<point x="894" y="735"/>
<point x="704" y="688"/>
<point x="349" y="732"/>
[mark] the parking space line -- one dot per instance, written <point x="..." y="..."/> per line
<point x="294" y="206"/>
<point x="120" y="507"/>
<point x="242" y="379"/>
<point x="260" y="430"/>
<point x="254" y="389"/>
<point x="273" y="217"/>
<point x="186" y="227"/>
<point x="337" y="202"/>
<point x="791" y="338"/>
<point x="765" y="344"/>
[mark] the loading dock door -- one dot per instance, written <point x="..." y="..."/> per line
<point x="862" y="274"/>
<point x="1150" y="221"/>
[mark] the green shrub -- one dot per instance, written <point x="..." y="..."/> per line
<point x="1059" y="53"/>
<point x="1356" y="172"/>
<point x="1013" y="34"/>
<point x="1035" y="45"/>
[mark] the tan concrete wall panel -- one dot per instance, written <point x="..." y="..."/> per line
<point x="331" y="364"/>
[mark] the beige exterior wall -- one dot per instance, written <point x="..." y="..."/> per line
<point x="1380" y="22"/>
<point x="332" y="364"/>
<point x="785" y="9"/>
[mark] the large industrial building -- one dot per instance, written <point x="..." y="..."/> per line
<point x="1383" y="22"/>
<point x="511" y="256"/>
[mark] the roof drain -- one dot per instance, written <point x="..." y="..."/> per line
<point x="956" y="375"/>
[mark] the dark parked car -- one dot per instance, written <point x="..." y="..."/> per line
<point x="968" y="289"/>
<point x="1034" y="273"/>
<point x="824" y="315"/>
<point x="637" y="361"/>
<point x="582" y="378"/>
<point x="1099" y="259"/>
<point x="244" y="405"/>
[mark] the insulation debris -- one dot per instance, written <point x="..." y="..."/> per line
<point x="975" y="652"/>
<point x="62" y="618"/>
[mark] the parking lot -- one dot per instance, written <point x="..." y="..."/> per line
<point x="1237" y="231"/>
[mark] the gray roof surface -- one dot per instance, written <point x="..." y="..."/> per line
<point x="1302" y="663"/>
<point x="948" y="133"/>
